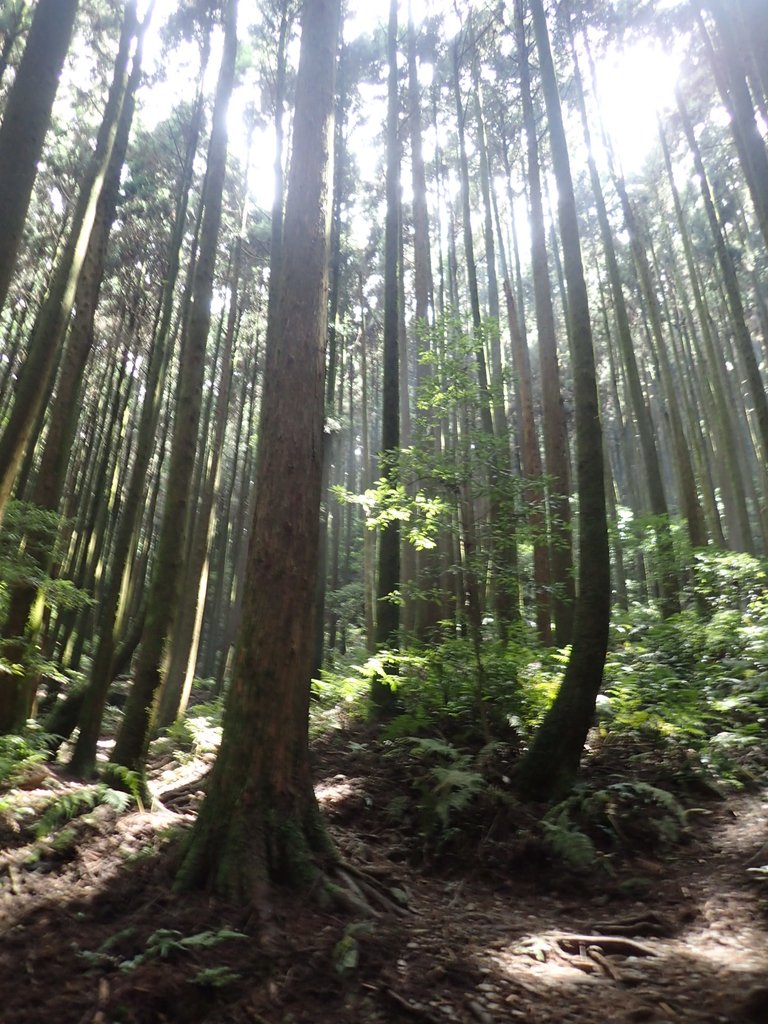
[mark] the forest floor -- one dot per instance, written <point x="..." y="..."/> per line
<point x="489" y="929"/>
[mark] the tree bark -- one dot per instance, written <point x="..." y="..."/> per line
<point x="49" y="483"/>
<point x="26" y="118"/>
<point x="550" y="766"/>
<point x="387" y="608"/>
<point x="555" y="432"/>
<point x="34" y="380"/>
<point x="260" y="822"/>
<point x="162" y="600"/>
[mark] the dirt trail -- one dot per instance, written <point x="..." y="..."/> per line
<point x="77" y="926"/>
<point x="691" y="953"/>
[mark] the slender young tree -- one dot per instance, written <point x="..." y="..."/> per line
<point x="260" y="822"/>
<point x="26" y="118"/>
<point x="550" y="766"/>
<point x="35" y="377"/>
<point x="387" y="609"/>
<point x="164" y="590"/>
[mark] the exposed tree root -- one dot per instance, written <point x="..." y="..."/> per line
<point x="373" y="888"/>
<point x="360" y="893"/>
<point x="652" y="925"/>
<point x="607" y="943"/>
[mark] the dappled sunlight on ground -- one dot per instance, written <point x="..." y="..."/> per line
<point x="334" y="791"/>
<point x="488" y="940"/>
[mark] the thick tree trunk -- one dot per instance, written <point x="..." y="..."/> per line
<point x="260" y="822"/>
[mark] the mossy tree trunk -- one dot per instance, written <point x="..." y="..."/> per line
<point x="260" y="822"/>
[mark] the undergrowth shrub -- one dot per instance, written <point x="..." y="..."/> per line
<point x="440" y="688"/>
<point x="628" y="815"/>
<point x="197" y="734"/>
<point x="20" y="755"/>
<point x="77" y="802"/>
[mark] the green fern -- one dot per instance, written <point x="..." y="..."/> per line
<point x="215" y="977"/>
<point x="165" y="941"/>
<point x="426" y="747"/>
<point x="631" y="813"/>
<point x="131" y="782"/>
<point x="19" y="755"/>
<point x="575" y="850"/>
<point x="454" y="789"/>
<point x="80" y="801"/>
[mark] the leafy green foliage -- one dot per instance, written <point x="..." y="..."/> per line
<point x="568" y="845"/>
<point x="698" y="681"/>
<point x="20" y="755"/>
<point x="419" y="514"/>
<point x="215" y="977"/>
<point x="633" y="815"/>
<point x="198" y="733"/>
<point x="17" y="566"/>
<point x="167" y="941"/>
<point x="444" y="782"/>
<point x="80" y="801"/>
<point x="438" y="689"/>
<point x="129" y="781"/>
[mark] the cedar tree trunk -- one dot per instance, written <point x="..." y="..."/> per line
<point x="260" y="821"/>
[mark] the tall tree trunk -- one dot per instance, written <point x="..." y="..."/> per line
<point x="162" y="600"/>
<point x="505" y="591"/>
<point x="504" y="526"/>
<point x="387" y="609"/>
<point x="555" y="433"/>
<point x="26" y="118"/>
<point x="551" y="764"/>
<point x="427" y="605"/>
<point x="34" y="381"/>
<point x="84" y="755"/>
<point x="260" y="821"/>
<point x="667" y="570"/>
<point x="730" y="75"/>
<point x="726" y="437"/>
<point x="743" y="340"/>
<point x="179" y="676"/>
<point x="47" y="490"/>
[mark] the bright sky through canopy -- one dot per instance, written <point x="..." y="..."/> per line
<point x="633" y="83"/>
